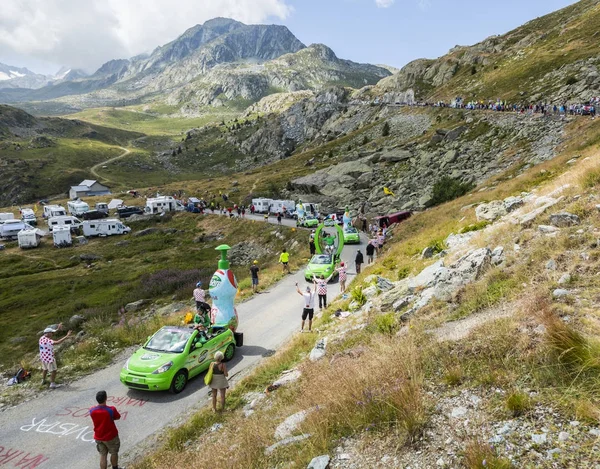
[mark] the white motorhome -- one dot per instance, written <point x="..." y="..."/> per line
<point x="54" y="211"/>
<point x="10" y="228"/>
<point x="29" y="238"/>
<point x="262" y="205"/>
<point x="61" y="236"/>
<point x="69" y="221"/>
<point x="163" y="203"/>
<point x="77" y="207"/>
<point x="108" y="227"/>
<point x="6" y="216"/>
<point x="28" y="216"/>
<point x="278" y="206"/>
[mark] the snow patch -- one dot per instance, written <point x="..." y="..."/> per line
<point x="17" y="74"/>
<point x="4" y="76"/>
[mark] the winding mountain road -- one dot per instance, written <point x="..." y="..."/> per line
<point x="55" y="431"/>
<point x="94" y="169"/>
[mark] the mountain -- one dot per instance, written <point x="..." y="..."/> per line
<point x="212" y="63"/>
<point x="66" y="73"/>
<point x="15" y="77"/>
<point x="553" y="58"/>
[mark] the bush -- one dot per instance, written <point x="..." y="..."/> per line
<point x="358" y="296"/>
<point x="480" y="225"/>
<point x="170" y="281"/>
<point x="386" y="323"/>
<point x="453" y="376"/>
<point x="518" y="403"/>
<point x="591" y="178"/>
<point x="480" y="455"/>
<point x="403" y="272"/>
<point x="386" y="130"/>
<point x="447" y="189"/>
<point x="571" y="80"/>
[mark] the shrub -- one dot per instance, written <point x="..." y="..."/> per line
<point x="473" y="70"/>
<point x="591" y="178"/>
<point x="386" y="130"/>
<point x="453" y="376"/>
<point x="480" y="455"/>
<point x="571" y="80"/>
<point x="358" y="296"/>
<point x="386" y="323"/>
<point x="517" y="403"/>
<point x="480" y="225"/>
<point x="446" y="189"/>
<point x="403" y="272"/>
<point x="170" y="281"/>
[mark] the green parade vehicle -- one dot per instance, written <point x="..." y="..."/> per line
<point x="174" y="355"/>
<point x="308" y="221"/>
<point x="351" y="235"/>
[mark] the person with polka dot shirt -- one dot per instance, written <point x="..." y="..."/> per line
<point x="47" y="354"/>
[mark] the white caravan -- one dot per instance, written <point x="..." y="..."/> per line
<point x="163" y="203"/>
<point x="262" y="205"/>
<point x="28" y="216"/>
<point x="6" y="216"/>
<point x="10" y="228"/>
<point x="61" y="236"/>
<point x="54" y="211"/>
<point x="108" y="227"/>
<point x="278" y="206"/>
<point x="71" y="222"/>
<point x="29" y="238"/>
<point x="77" y="207"/>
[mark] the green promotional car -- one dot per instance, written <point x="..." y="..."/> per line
<point x="321" y="264"/>
<point x="175" y="354"/>
<point x="351" y="235"/>
<point x="308" y="222"/>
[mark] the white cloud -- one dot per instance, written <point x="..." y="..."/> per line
<point x="384" y="3"/>
<point x="87" y="33"/>
<point x="424" y="4"/>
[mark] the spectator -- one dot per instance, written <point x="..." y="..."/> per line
<point x="219" y="380"/>
<point x="254" y="273"/>
<point x="370" y="252"/>
<point x="309" y="306"/>
<point x="106" y="434"/>
<point x="47" y="357"/>
<point x="359" y="260"/>
<point x="284" y="259"/>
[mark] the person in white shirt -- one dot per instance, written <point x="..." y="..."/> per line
<point x="309" y="306"/>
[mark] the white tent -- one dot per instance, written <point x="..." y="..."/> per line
<point x="114" y="203"/>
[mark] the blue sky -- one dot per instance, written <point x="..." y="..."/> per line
<point x="408" y="29"/>
<point x="44" y="35"/>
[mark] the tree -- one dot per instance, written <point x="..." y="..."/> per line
<point x="386" y="130"/>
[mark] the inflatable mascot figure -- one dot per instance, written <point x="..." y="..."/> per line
<point x="300" y="210"/>
<point x="347" y="219"/>
<point x="223" y="289"/>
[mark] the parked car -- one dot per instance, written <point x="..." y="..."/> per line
<point x="54" y="211"/>
<point x="321" y="264"/>
<point x="351" y="235"/>
<point x="28" y="216"/>
<point x="102" y="207"/>
<point x="174" y="355"/>
<point x="127" y="211"/>
<point x="72" y="222"/>
<point x="94" y="215"/>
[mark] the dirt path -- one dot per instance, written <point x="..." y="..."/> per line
<point x="458" y="330"/>
<point x="94" y="169"/>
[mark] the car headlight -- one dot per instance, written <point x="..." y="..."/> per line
<point x="126" y="365"/>
<point x="163" y="368"/>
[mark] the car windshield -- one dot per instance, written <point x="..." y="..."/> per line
<point x="169" y="340"/>
<point x="351" y="230"/>
<point x="321" y="260"/>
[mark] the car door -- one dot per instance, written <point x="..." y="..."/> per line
<point x="197" y="355"/>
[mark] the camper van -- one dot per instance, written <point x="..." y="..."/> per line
<point x="262" y="205"/>
<point x="54" y="211"/>
<point x="108" y="227"/>
<point x="6" y="216"/>
<point x="61" y="236"/>
<point x="283" y="206"/>
<point x="29" y="238"/>
<point x="102" y="207"/>
<point x="71" y="222"/>
<point x="28" y="216"/>
<point x="10" y="228"/>
<point x="77" y="207"/>
<point x="163" y="203"/>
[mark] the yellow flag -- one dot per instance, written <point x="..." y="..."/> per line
<point x="387" y="191"/>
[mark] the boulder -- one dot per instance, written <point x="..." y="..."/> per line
<point x="491" y="211"/>
<point x="136" y="305"/>
<point x="455" y="133"/>
<point x="288" y="377"/>
<point x="319" y="350"/>
<point x="560" y="293"/>
<point x="76" y="321"/>
<point x="471" y="266"/>
<point x="89" y="257"/>
<point x="427" y="253"/>
<point x="512" y="203"/>
<point x="395" y="156"/>
<point x="319" y="462"/>
<point x="290" y="425"/>
<point x="547" y="229"/>
<point x="498" y="255"/>
<point x="286" y="441"/>
<point x="147" y="231"/>
<point x="454" y="241"/>
<point x="370" y="291"/>
<point x="564" y="279"/>
<point x="564" y="219"/>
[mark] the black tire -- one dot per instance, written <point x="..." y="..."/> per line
<point x="179" y="382"/>
<point x="229" y="352"/>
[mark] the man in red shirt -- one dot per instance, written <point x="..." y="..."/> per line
<point x="105" y="431"/>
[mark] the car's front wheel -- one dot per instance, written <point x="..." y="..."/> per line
<point x="229" y="352"/>
<point x="179" y="382"/>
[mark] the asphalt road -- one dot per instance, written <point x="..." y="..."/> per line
<point x="54" y="430"/>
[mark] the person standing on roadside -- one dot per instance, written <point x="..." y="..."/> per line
<point x="311" y="244"/>
<point x="321" y="283"/>
<point x="279" y="218"/>
<point x="359" y="260"/>
<point x="309" y="306"/>
<point x="106" y="434"/>
<point x="370" y="251"/>
<point x="284" y="259"/>
<point x="342" y="271"/>
<point x="47" y="357"/>
<point x="254" y="273"/>
<point x="219" y="381"/>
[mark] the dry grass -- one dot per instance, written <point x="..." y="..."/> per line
<point x="480" y="455"/>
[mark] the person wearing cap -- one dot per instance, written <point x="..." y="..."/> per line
<point x="106" y="434"/>
<point x="359" y="260"/>
<point x="309" y="306"/>
<point x="47" y="357"/>
<point x="202" y="307"/>
<point x="342" y="276"/>
<point x="254" y="273"/>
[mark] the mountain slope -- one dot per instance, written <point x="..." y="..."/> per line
<point x="15" y="77"/>
<point x="553" y="58"/>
